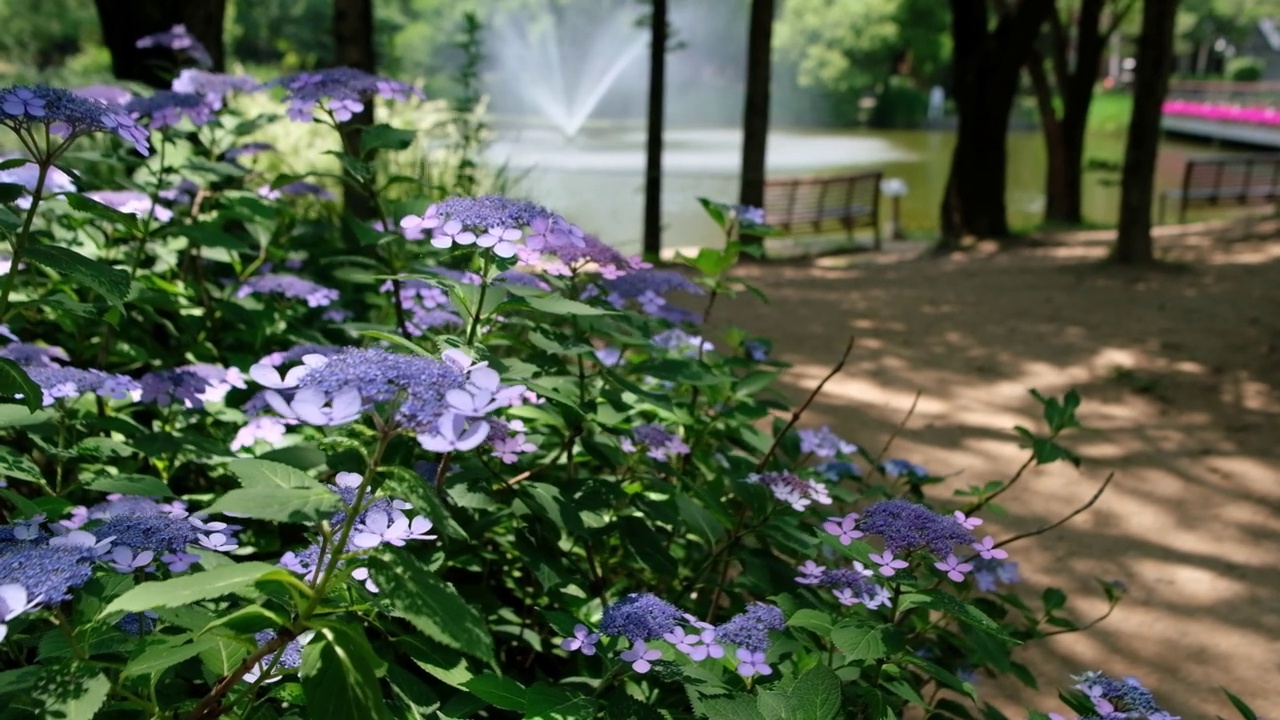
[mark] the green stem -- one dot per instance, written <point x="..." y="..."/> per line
<point x="20" y="242"/>
<point x="475" y="314"/>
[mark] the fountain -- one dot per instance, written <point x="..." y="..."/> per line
<point x="565" y="76"/>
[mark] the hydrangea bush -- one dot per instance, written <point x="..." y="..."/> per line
<point x="479" y="464"/>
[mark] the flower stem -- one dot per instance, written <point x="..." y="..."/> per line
<point x="20" y="242"/>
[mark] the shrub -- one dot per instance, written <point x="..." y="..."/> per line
<point x="1245" y="69"/>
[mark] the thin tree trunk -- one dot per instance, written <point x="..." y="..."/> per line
<point x="1057" y="177"/>
<point x="1137" y="180"/>
<point x="755" y="113"/>
<point x="657" y="115"/>
<point x="123" y="23"/>
<point x="986" y="65"/>
<point x="354" y="47"/>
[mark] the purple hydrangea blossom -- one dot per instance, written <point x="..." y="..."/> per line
<point x="968" y="523"/>
<point x="132" y="202"/>
<point x="508" y="441"/>
<point x="56" y="182"/>
<point x="648" y="288"/>
<point x="166" y="108"/>
<point x="583" y="640"/>
<point x="138" y="624"/>
<point x="641" y="657"/>
<point x="67" y="382"/>
<point x="1119" y="699"/>
<point x="285" y="659"/>
<point x="679" y="341"/>
<point x="898" y="467"/>
<point x="181" y="194"/>
<point x="213" y="87"/>
<point x="109" y="94"/>
<point x="792" y="489"/>
<point x="837" y="470"/>
<point x="158" y="532"/>
<point x="426" y="306"/>
<point x="182" y="42"/>
<point x="750" y="628"/>
<point x="265" y="428"/>
<point x="889" y="565"/>
<point x="751" y="663"/>
<point x="184" y="385"/>
<point x="906" y="526"/>
<point x="65" y="115"/>
<point x="489" y="221"/>
<point x="640" y="617"/>
<point x="27" y="354"/>
<point x="824" y="443"/>
<point x="338" y="90"/>
<point x="656" y="441"/>
<point x="954" y="568"/>
<point x="47" y="571"/>
<point x="290" y="286"/>
<point x="990" y="574"/>
<point x="247" y="150"/>
<point x="844" y="528"/>
<point x="987" y="549"/>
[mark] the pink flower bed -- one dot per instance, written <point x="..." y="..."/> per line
<point x="1229" y="113"/>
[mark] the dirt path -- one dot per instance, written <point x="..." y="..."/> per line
<point x="1180" y="373"/>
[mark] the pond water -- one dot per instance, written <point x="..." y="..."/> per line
<point x="597" y="178"/>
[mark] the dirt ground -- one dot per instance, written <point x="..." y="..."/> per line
<point x="1180" y="373"/>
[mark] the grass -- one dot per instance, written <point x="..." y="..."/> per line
<point x="1110" y="112"/>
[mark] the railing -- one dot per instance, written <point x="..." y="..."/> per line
<point x="1251" y="94"/>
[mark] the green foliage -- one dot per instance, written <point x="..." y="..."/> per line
<point x="899" y="105"/>
<point x="1245" y="69"/>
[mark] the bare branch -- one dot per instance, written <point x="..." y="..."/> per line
<point x="795" y="416"/>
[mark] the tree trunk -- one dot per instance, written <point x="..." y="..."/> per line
<point x="124" y="23"/>
<point x="986" y="66"/>
<point x="1137" y="181"/>
<point x="1057" y="189"/>
<point x="354" y="47"/>
<point x="657" y="115"/>
<point x="755" y="113"/>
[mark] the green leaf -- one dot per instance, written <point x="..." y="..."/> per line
<point x="88" y="205"/>
<point x="816" y="695"/>
<point x="699" y="519"/>
<point x="548" y="702"/>
<point x="277" y="504"/>
<point x="776" y="706"/>
<point x="499" y="691"/>
<point x="1054" y="599"/>
<point x="396" y="340"/>
<point x="302" y="457"/>
<point x="189" y="589"/>
<point x="271" y="475"/>
<point x="861" y="641"/>
<point x="167" y="654"/>
<point x="18" y="416"/>
<point x="75" y="692"/>
<point x="25" y="507"/>
<point x="385" y="137"/>
<point x="547" y="501"/>
<point x="945" y="602"/>
<point x="430" y="604"/>
<point x="223" y="656"/>
<point x="737" y="707"/>
<point x="112" y="283"/>
<point x="558" y="305"/>
<point x="339" y="676"/>
<point x="814" y="620"/>
<point x="10" y="192"/>
<point x="20" y="467"/>
<point x="17" y="387"/>
<point x="131" y="484"/>
<point x="1241" y="707"/>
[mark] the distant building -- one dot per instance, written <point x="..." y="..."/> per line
<point x="1264" y="43"/>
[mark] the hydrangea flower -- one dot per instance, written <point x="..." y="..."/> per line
<point x="750" y="629"/>
<point x="56" y="182"/>
<point x="339" y="90"/>
<point x="247" y="150"/>
<point x="286" y="658"/>
<point x="166" y="108"/>
<point x="889" y="565"/>
<point x="138" y="624"/>
<point x="987" y="549"/>
<point x="850" y="585"/>
<point x="844" y="528"/>
<point x="837" y="470"/>
<point x="426" y="306"/>
<point x="158" y="532"/>
<point x="555" y="246"/>
<point x="509" y="446"/>
<point x="181" y="42"/>
<point x="109" y="94"/>
<point x="641" y="657"/>
<point x="791" y="489"/>
<point x="213" y="87"/>
<point x="59" y="382"/>
<point x="184" y="385"/>
<point x="1119" y="699"/>
<point x="647" y="289"/>
<point x="297" y="188"/>
<point x="65" y="115"/>
<point x="13" y="602"/>
<point x="897" y="468"/>
<point x="264" y="428"/>
<point x="656" y="441"/>
<point x="489" y="221"/>
<point x="132" y="202"/>
<point x="954" y="569"/>
<point x="679" y="341"/>
<point x="583" y="640"/>
<point x="47" y="571"/>
<point x="968" y="523"/>
<point x="810" y="573"/>
<point x="389" y="526"/>
<point x="124" y="560"/>
<point x="824" y="443"/>
<point x="290" y="286"/>
<point x="27" y="355"/>
<point x="751" y="663"/>
<point x="907" y="526"/>
<point x="640" y="617"/>
<point x="989" y="574"/>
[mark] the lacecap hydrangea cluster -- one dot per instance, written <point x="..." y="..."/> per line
<point x="643" y="618"/>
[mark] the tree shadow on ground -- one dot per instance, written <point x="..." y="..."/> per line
<point x="1181" y="380"/>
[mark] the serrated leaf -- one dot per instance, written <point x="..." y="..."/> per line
<point x="172" y="651"/>
<point x="277" y="504"/>
<point x="339" y="677"/>
<point x="17" y="387"/>
<point x="111" y="283"/>
<point x="189" y="589"/>
<point x="385" y="137"/>
<point x="86" y="204"/>
<point x="559" y="305"/>
<point x="816" y="695"/>
<point x="939" y="600"/>
<point x="860" y="641"/>
<point x="254" y="473"/>
<point x="548" y="702"/>
<point x="430" y="604"/>
<point x="74" y="692"/>
<point x="776" y="706"/>
<point x="547" y="501"/>
<point x="738" y="707"/>
<point x="498" y="691"/>
<point x="814" y="620"/>
<point x="20" y="467"/>
<point x="131" y="484"/>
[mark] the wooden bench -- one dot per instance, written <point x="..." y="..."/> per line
<point x="812" y="205"/>
<point x="1226" y="180"/>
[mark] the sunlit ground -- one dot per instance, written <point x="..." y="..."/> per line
<point x="1179" y="369"/>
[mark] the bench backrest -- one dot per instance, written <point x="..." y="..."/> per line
<point x="1256" y="174"/>
<point x="806" y="199"/>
